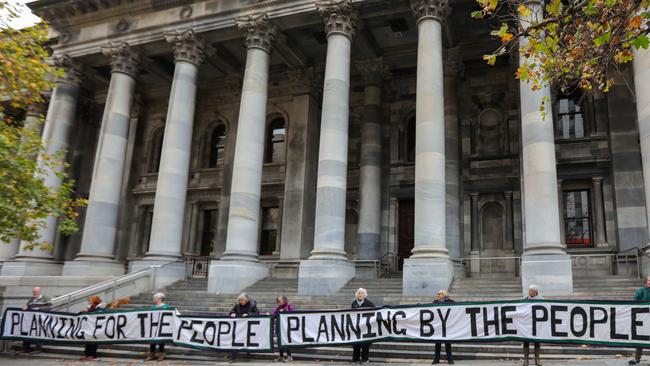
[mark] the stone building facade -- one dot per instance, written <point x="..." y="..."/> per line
<point x="311" y="138"/>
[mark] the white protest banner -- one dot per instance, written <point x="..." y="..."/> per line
<point x="588" y="322"/>
<point x="225" y="333"/>
<point x="220" y="333"/>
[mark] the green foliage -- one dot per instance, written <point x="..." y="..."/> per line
<point x="25" y="199"/>
<point x="575" y="44"/>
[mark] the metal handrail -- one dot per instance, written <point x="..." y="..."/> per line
<point x="67" y="300"/>
<point x="392" y="263"/>
<point x="468" y="270"/>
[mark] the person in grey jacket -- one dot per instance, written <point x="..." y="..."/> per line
<point x="38" y="301"/>
<point x="361" y="351"/>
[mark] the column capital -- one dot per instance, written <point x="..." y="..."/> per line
<point x="72" y="70"/>
<point x="430" y="9"/>
<point x="453" y="65"/>
<point x="339" y="16"/>
<point x="473" y="195"/>
<point x="123" y="58"/>
<point x="374" y="71"/>
<point x="188" y="46"/>
<point x="260" y="31"/>
<point x="304" y="80"/>
<point x="597" y="180"/>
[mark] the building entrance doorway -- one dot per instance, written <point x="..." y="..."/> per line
<point x="406" y="230"/>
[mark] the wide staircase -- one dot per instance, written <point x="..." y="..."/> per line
<point x="191" y="295"/>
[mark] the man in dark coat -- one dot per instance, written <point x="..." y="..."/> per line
<point x="244" y="307"/>
<point x="361" y="351"/>
<point x="441" y="298"/>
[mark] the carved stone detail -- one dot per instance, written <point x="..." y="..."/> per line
<point x="453" y="62"/>
<point x="123" y="58"/>
<point x="374" y="71"/>
<point x="430" y="9"/>
<point x="72" y="70"/>
<point x="339" y="16"/>
<point x="188" y="46"/>
<point x="260" y="31"/>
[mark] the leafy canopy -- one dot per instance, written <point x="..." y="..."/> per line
<point x="25" y="199"/>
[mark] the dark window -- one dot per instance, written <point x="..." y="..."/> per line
<point x="409" y="152"/>
<point x="275" y="141"/>
<point x="577" y="219"/>
<point x="269" y="235"/>
<point x="216" y="145"/>
<point x="156" y="152"/>
<point x="570" y="117"/>
<point x="146" y="229"/>
<point x="209" y="234"/>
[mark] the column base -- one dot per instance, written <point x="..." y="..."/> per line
<point x="552" y="273"/>
<point x="324" y="276"/>
<point x="82" y="268"/>
<point x="31" y="268"/>
<point x="170" y="272"/>
<point x="233" y="276"/>
<point x="426" y="276"/>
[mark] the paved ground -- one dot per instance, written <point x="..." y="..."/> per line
<point x="46" y="361"/>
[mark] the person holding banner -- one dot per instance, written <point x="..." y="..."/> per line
<point x="90" y="351"/>
<point x="158" y="303"/>
<point x="361" y="351"/>
<point x="283" y="305"/>
<point x="38" y="301"/>
<point x="244" y="307"/>
<point x="533" y="294"/>
<point x="641" y="294"/>
<point x="441" y="298"/>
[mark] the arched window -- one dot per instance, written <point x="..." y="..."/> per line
<point x="409" y="143"/>
<point x="155" y="152"/>
<point x="275" y="141"/>
<point x="216" y="145"/>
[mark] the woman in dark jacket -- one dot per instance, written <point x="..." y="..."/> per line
<point x="94" y="304"/>
<point x="244" y="307"/>
<point x="362" y="350"/>
<point x="441" y="298"/>
<point x="283" y="306"/>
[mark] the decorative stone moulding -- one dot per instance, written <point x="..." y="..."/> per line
<point x="72" y="70"/>
<point x="339" y="16"/>
<point x="188" y="46"/>
<point x="431" y="9"/>
<point x="123" y="58"/>
<point x="260" y="31"/>
<point x="374" y="71"/>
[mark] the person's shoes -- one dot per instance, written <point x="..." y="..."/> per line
<point x="150" y="357"/>
<point x="435" y="362"/>
<point x="161" y="357"/>
<point x="91" y="358"/>
<point x="633" y="362"/>
<point x="451" y="362"/>
<point x="365" y="362"/>
<point x="83" y="358"/>
<point x="280" y="359"/>
<point x="288" y="359"/>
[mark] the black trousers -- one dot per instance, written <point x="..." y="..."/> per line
<point x="91" y="350"/>
<point x="161" y="348"/>
<point x="360" y="352"/>
<point x="27" y="346"/>
<point x="436" y="357"/>
<point x="637" y="354"/>
<point x="285" y="350"/>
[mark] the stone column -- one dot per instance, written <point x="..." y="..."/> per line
<point x="544" y="261"/>
<point x="560" y="195"/>
<point x="476" y="246"/>
<point x="302" y="158"/>
<point x="600" y="240"/>
<point x="57" y="134"/>
<point x="374" y="73"/>
<point x="97" y="254"/>
<point x="429" y="268"/>
<point x="171" y="187"/>
<point x="239" y="267"/>
<point x="194" y="245"/>
<point x="641" y="67"/>
<point x="510" y="241"/>
<point x="453" y="69"/>
<point x="327" y="269"/>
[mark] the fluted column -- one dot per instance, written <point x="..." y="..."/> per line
<point x="544" y="261"/>
<point x="171" y="187"/>
<point x="374" y="73"/>
<point x="328" y="269"/>
<point x="57" y="134"/>
<point x="239" y="267"/>
<point x="429" y="268"/>
<point x="97" y="254"/>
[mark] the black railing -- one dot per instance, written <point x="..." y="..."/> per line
<point x="197" y="266"/>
